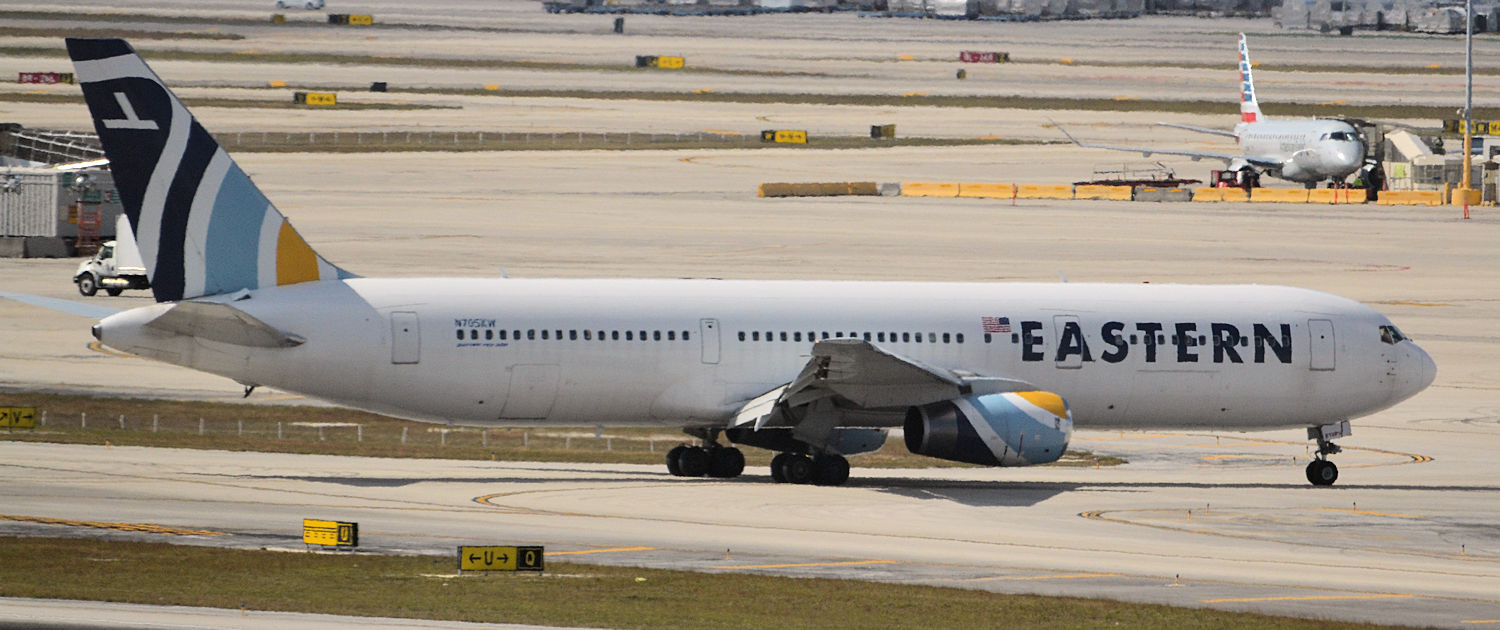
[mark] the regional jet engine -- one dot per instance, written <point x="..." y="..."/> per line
<point x="1010" y="429"/>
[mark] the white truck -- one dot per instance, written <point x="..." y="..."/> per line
<point x="116" y="267"/>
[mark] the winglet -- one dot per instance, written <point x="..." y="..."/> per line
<point x="1249" y="106"/>
<point x="202" y="226"/>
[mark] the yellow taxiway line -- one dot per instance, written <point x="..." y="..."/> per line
<point x="124" y="527"/>
<point x="1298" y="598"/>
<point x="1071" y="576"/>
<point x="810" y="564"/>
<point x="587" y="551"/>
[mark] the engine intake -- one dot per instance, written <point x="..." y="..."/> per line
<point x="1010" y="429"/>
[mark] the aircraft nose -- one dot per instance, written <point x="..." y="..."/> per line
<point x="1416" y="371"/>
<point x="95" y="332"/>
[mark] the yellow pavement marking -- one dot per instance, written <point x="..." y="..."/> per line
<point x="1073" y="576"/>
<point x="99" y="347"/>
<point x="1479" y="621"/>
<point x="1131" y="437"/>
<point x="810" y="564"/>
<point x="616" y="549"/>
<point x="127" y="527"/>
<point x="1306" y="598"/>
<point x="1365" y="513"/>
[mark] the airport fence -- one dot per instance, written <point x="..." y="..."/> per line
<point x="374" y="436"/>
<point x="470" y="140"/>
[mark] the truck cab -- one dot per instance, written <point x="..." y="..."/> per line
<point x="116" y="267"/>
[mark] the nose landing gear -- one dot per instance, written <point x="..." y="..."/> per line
<point x="1320" y="471"/>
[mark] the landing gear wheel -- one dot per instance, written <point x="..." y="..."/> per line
<point x="1321" y="472"/>
<point x="830" y="469"/>
<point x="776" y="463"/>
<point x="88" y="285"/>
<point x="797" y="468"/>
<point x="674" y="460"/>
<point x="726" y="462"/>
<point x="693" y="462"/>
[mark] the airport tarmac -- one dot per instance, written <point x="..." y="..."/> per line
<point x="1407" y="536"/>
<point x="1195" y="518"/>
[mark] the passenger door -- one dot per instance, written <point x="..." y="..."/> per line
<point x="708" y="332"/>
<point x="1321" y="344"/>
<point x="406" y="338"/>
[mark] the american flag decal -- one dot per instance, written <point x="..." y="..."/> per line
<point x="995" y="324"/>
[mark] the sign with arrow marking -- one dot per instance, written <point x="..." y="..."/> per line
<point x="491" y="558"/>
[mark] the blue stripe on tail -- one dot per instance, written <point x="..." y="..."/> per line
<point x="161" y="157"/>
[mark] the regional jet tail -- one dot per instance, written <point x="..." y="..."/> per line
<point x="992" y="374"/>
<point x="1303" y="150"/>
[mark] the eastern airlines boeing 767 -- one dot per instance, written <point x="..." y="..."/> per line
<point x="992" y="374"/>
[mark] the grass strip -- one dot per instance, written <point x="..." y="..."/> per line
<point x="72" y="419"/>
<point x="1043" y="103"/>
<point x="264" y="57"/>
<point x="27" y="31"/>
<point x="567" y="594"/>
<point x="71" y="97"/>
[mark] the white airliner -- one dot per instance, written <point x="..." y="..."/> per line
<point x="1303" y="150"/>
<point x="815" y="370"/>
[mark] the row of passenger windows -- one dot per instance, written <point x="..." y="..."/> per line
<point x="490" y="334"/>
<point x="931" y="337"/>
<point x="880" y="337"/>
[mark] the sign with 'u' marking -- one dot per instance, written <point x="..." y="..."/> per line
<point x="491" y="558"/>
<point x="330" y="533"/>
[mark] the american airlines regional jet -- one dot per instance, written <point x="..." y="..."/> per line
<point x="993" y="374"/>
<point x="1303" y="150"/>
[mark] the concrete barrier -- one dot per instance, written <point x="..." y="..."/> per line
<point x="1152" y="193"/>
<point x="1209" y="194"/>
<point x="1044" y="191"/>
<point x="1336" y="195"/>
<point x="817" y="189"/>
<point x="1236" y="194"/>
<point x="1093" y="191"/>
<point x="1410" y="198"/>
<point x="987" y="191"/>
<point x="1278" y="195"/>
<point x="929" y="189"/>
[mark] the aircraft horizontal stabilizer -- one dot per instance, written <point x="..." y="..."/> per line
<point x="222" y="323"/>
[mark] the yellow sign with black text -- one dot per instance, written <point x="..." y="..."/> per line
<point x="490" y="558"/>
<point x="330" y="533"/>
<point x="322" y="98"/>
<point x="18" y="417"/>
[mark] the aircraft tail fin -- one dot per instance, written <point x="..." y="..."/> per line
<point x="202" y="227"/>
<point x="1249" y="107"/>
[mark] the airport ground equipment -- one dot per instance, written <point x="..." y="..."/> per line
<point x="115" y="267"/>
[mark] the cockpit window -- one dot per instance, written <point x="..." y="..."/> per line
<point x="1391" y="335"/>
<point x="1341" y="135"/>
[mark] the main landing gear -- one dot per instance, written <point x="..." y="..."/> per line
<point x="711" y="459"/>
<point x="824" y="469"/>
<point x="1320" y="471"/>
<point x="714" y="461"/>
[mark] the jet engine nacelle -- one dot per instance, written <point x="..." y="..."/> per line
<point x="1009" y="429"/>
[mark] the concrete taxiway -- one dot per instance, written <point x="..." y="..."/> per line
<point x="1195" y="518"/>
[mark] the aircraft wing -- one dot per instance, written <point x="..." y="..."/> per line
<point x="1217" y="132"/>
<point x="1257" y="160"/>
<point x="857" y="377"/>
<point x="70" y="307"/>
